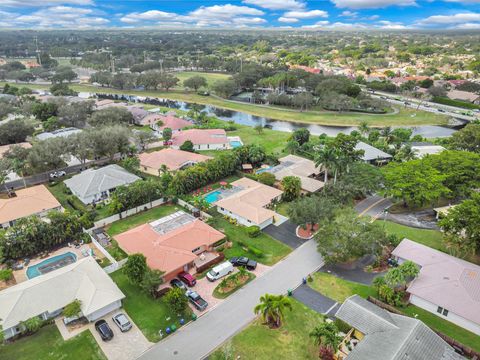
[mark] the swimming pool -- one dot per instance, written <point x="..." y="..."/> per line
<point x="259" y="171"/>
<point x="235" y="144"/>
<point x="50" y="264"/>
<point x="213" y="196"/>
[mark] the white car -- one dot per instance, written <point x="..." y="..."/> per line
<point x="57" y="174"/>
<point x="122" y="322"/>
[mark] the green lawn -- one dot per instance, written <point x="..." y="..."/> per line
<point x="282" y="208"/>
<point x="144" y="217"/>
<point x="273" y="141"/>
<point x="210" y="77"/>
<point x="272" y="249"/>
<point x="339" y="289"/>
<point x="404" y="116"/>
<point x="291" y="341"/>
<point x="150" y="315"/>
<point x="48" y="344"/>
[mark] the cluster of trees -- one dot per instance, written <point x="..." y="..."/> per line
<point x="151" y="79"/>
<point x="391" y="287"/>
<point x="136" y="194"/>
<point x="15" y="131"/>
<point x="31" y="235"/>
<point x="48" y="71"/>
<point x="138" y="273"/>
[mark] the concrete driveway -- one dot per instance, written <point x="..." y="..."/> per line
<point x="286" y="233"/>
<point x="314" y="300"/>
<point x="124" y="346"/>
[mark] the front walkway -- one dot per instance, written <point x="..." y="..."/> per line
<point x="285" y="233"/>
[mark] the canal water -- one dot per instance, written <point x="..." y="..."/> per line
<point x="428" y="131"/>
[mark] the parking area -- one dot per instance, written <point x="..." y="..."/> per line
<point x="124" y="346"/>
<point x="285" y="233"/>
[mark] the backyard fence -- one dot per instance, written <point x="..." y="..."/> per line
<point x="115" y="266"/>
<point x="191" y="208"/>
<point x="126" y="213"/>
<point x="452" y="342"/>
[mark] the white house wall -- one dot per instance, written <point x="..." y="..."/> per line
<point x="104" y="311"/>
<point x="452" y="317"/>
<point x="242" y="220"/>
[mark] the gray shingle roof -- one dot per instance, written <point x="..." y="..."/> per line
<point x="371" y="153"/>
<point x="91" y="181"/>
<point x="390" y="336"/>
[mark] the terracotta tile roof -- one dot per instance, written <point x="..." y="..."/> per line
<point x="29" y="201"/>
<point x="200" y="136"/>
<point x="172" y="158"/>
<point x="170" y="251"/>
<point x="444" y="280"/>
<point x="5" y="148"/>
<point x="250" y="202"/>
<point x="174" y="122"/>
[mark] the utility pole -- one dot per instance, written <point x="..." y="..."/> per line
<point x="161" y="65"/>
<point x="38" y="52"/>
<point x="112" y="63"/>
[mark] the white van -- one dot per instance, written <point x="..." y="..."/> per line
<point x="220" y="271"/>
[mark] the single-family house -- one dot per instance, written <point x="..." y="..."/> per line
<point x="446" y="286"/>
<point x="172" y="159"/>
<point x="202" y="139"/>
<point x="65" y="132"/>
<point x="138" y="114"/>
<point x="380" y="335"/>
<point x="35" y="200"/>
<point x="305" y="169"/>
<point x="45" y="296"/>
<point x="171" y="244"/>
<point x="169" y="121"/>
<point x="373" y="155"/>
<point x="423" y="149"/>
<point x="106" y="103"/>
<point x="94" y="185"/>
<point x="248" y="203"/>
<point x="464" y="96"/>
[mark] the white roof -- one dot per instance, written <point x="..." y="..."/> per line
<point x="66" y="132"/>
<point x="371" y="153"/>
<point x="423" y="150"/>
<point x="95" y="181"/>
<point x="84" y="280"/>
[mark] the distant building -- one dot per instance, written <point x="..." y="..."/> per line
<point x="373" y="155"/>
<point x="464" y="96"/>
<point x="202" y="139"/>
<point x="425" y="148"/>
<point x="446" y="286"/>
<point x="173" y="159"/>
<point x="65" y="132"/>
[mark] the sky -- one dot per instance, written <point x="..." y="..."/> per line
<point x="204" y="14"/>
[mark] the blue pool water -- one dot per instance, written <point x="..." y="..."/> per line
<point x="50" y="264"/>
<point x="235" y="144"/>
<point x="212" y="197"/>
<point x="259" y="171"/>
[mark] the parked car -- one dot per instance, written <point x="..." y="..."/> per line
<point x="122" y="322"/>
<point x="104" y="330"/>
<point x="197" y="301"/>
<point x="220" y="271"/>
<point x="244" y="261"/>
<point x="187" y="278"/>
<point x="57" y="174"/>
<point x="440" y="110"/>
<point x="175" y="283"/>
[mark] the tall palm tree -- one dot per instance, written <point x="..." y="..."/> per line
<point x="328" y="157"/>
<point x="364" y="128"/>
<point x="326" y="335"/>
<point x="272" y="308"/>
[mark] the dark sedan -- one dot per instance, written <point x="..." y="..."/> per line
<point x="178" y="284"/>
<point x="244" y="261"/>
<point x="104" y="330"/>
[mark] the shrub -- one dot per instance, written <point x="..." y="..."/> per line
<point x="266" y="178"/>
<point x="72" y="309"/>
<point x="253" y="231"/>
<point x="257" y="252"/>
<point x="176" y="300"/>
<point x="342" y="326"/>
<point x="6" y="274"/>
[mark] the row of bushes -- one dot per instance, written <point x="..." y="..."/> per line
<point x="252" y="249"/>
<point x="457" y="103"/>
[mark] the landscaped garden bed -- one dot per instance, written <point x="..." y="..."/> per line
<point x="232" y="283"/>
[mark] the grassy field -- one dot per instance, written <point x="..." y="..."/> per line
<point x="210" y="77"/>
<point x="273" y="141"/>
<point x="273" y="250"/>
<point x="150" y="315"/>
<point x="48" y="344"/>
<point x="404" y="116"/>
<point x="291" y="341"/>
<point x="156" y="213"/>
<point x="338" y="289"/>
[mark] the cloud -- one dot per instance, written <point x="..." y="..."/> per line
<point x="450" y="19"/>
<point x="468" y="2"/>
<point x="42" y="3"/>
<point x="227" y="11"/>
<point x="391" y="25"/>
<point x="348" y="13"/>
<point x="468" y="26"/>
<point x="277" y="4"/>
<point x="152" y="15"/>
<point x="371" y="4"/>
<point x="287" y="20"/>
<point x="311" y="14"/>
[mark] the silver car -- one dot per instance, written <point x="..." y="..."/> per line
<point x="122" y="322"/>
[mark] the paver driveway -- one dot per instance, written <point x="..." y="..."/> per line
<point x="199" y="338"/>
<point x="124" y="346"/>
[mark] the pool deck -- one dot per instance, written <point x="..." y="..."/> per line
<point x="21" y="275"/>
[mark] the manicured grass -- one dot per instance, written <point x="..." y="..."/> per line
<point x="220" y="294"/>
<point x="210" y="77"/>
<point x="48" y="344"/>
<point x="150" y="315"/>
<point x="404" y="116"/>
<point x="282" y="208"/>
<point x="59" y="190"/>
<point x="291" y="341"/>
<point x="339" y="289"/>
<point x="273" y="250"/>
<point x="130" y="222"/>
<point x="446" y="327"/>
<point x="273" y="141"/>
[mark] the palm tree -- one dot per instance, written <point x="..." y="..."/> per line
<point x="272" y="308"/>
<point x="328" y="157"/>
<point x="364" y="128"/>
<point x="406" y="153"/>
<point x="326" y="335"/>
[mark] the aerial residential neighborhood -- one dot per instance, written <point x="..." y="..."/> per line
<point x="240" y="180"/>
